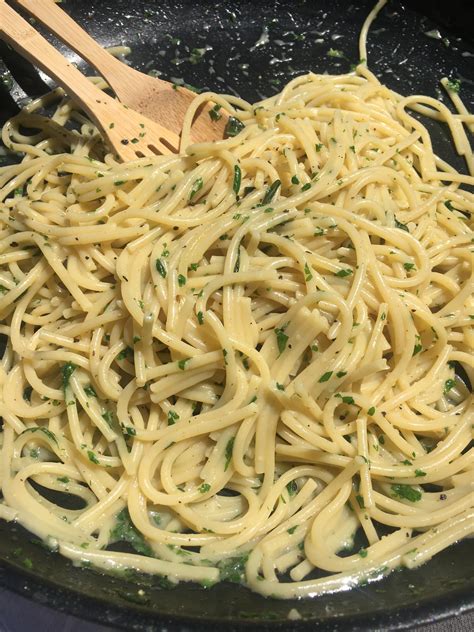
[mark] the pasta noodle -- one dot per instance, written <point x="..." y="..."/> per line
<point x="240" y="360"/>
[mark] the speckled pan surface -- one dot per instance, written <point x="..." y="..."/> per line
<point x="252" y="48"/>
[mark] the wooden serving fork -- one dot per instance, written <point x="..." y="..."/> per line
<point x="130" y="134"/>
<point x="159" y="100"/>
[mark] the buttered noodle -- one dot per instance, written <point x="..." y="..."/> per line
<point x="242" y="356"/>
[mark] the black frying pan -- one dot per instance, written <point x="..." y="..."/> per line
<point x="239" y="59"/>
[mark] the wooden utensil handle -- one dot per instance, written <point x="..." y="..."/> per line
<point x="30" y="44"/>
<point x="64" y="27"/>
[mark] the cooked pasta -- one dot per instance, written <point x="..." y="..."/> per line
<point x="249" y="358"/>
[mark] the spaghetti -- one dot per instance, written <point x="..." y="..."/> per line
<point x="240" y="358"/>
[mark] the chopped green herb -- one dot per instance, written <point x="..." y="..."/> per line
<point x="325" y="377"/>
<point x="90" y="391"/>
<point x="406" y="492"/>
<point x="125" y="531"/>
<point x="282" y="338"/>
<point x="292" y="488"/>
<point x="363" y="552"/>
<point x="3" y="289"/>
<point x="453" y="85"/>
<point x="161" y="268"/>
<point x="27" y="393"/>
<point x="237" y="261"/>
<point x="406" y="462"/>
<point x="197" y="186"/>
<point x="67" y="370"/>
<point x="108" y="416"/>
<point x="341" y="373"/>
<point x="346" y="399"/>
<point x="181" y="280"/>
<point x="334" y="52"/>
<point x="228" y="452"/>
<point x="50" y="435"/>
<point x="92" y="457"/>
<point x="270" y="193"/>
<point x="204" y="488"/>
<point x="280" y="387"/>
<point x="196" y="55"/>
<point x="295" y="180"/>
<point x="214" y="112"/>
<point x="401" y="226"/>
<point x="127" y="351"/>
<point x="172" y="417"/>
<point x="306" y="186"/>
<point x="27" y="563"/>
<point x="308" y="275"/>
<point x="237" y="179"/>
<point x="371" y="411"/>
<point x="448" y="385"/>
<point x="291" y="530"/>
<point x="233" y="569"/>
<point x="119" y="182"/>
<point x="408" y="266"/>
<point x="354" y="66"/>
<point x="360" y="501"/>
<point x="200" y="317"/>
<point x="63" y="479"/>
<point x="343" y="273"/>
<point x="182" y="363"/>
<point x="233" y="126"/>
<point x="318" y="147"/>
<point x="417" y="348"/>
<point x="419" y="473"/>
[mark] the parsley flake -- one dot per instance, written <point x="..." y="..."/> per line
<point x="161" y="268"/>
<point x="228" y="452"/>
<point x="282" y="338"/>
<point x="406" y="492"/>
<point x="325" y="377"/>
<point x="197" y="186"/>
<point x="237" y="179"/>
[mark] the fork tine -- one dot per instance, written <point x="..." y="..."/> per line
<point x="132" y="134"/>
